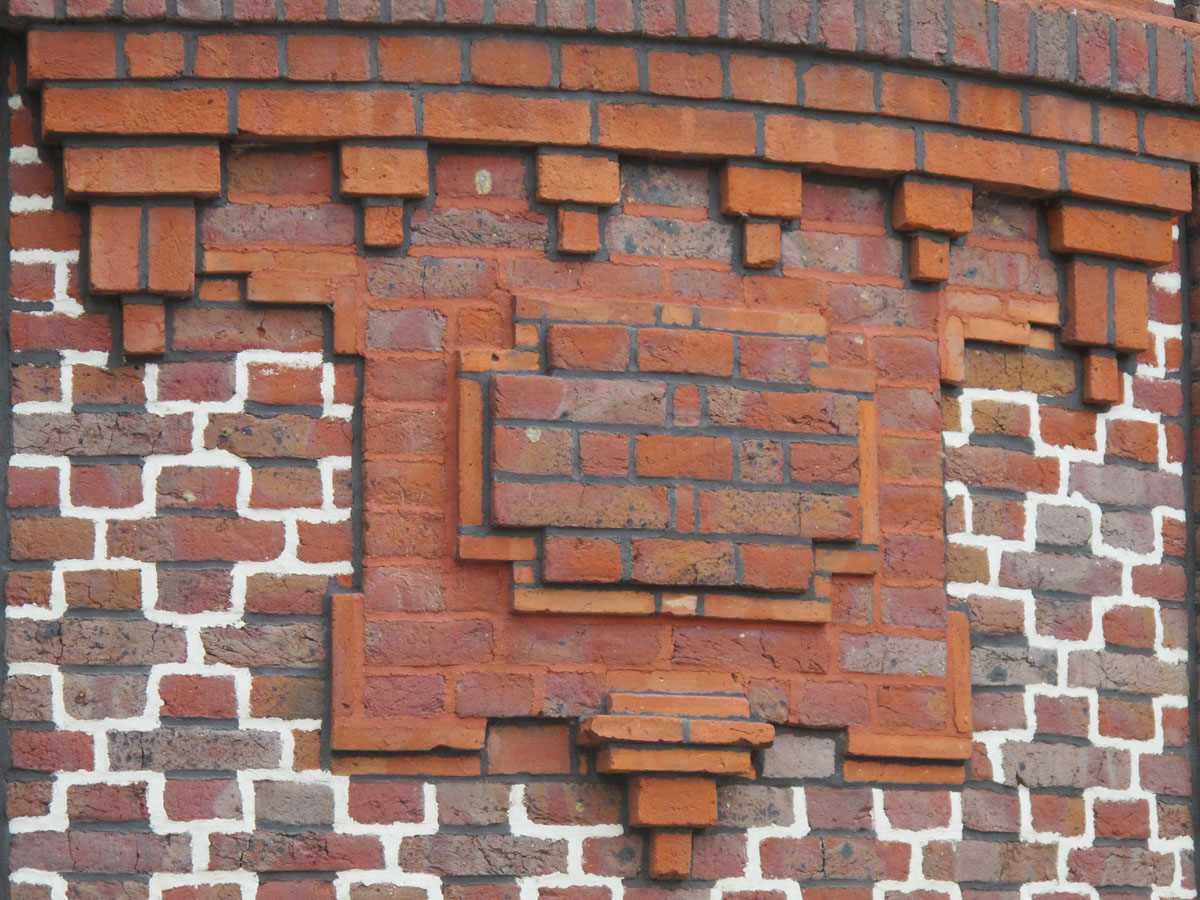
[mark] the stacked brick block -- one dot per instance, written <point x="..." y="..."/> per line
<point x="460" y="357"/>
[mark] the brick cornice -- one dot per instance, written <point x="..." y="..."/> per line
<point x="1050" y="42"/>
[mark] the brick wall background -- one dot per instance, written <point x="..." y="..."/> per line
<point x="176" y="526"/>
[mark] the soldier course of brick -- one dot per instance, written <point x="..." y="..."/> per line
<point x="600" y="450"/>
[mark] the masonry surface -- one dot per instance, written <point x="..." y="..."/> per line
<point x="600" y="451"/>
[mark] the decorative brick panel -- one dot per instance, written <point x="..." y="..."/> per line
<point x="777" y="453"/>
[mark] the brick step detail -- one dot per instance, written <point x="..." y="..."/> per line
<point x="647" y="729"/>
<point x="707" y="705"/>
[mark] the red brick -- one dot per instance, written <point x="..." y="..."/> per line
<point x="911" y="97"/>
<point x="194" y="696"/>
<point x="427" y="60"/>
<point x="250" y="56"/>
<point x="677" y="802"/>
<point x="684" y="74"/>
<point x="459" y="116"/>
<point x="598" y="68"/>
<point x="158" y="54"/>
<point x="325" y="113"/>
<point x="511" y="63"/>
<point x="828" y="145"/>
<point x="59" y="55"/>
<point x="747" y="191"/>
<point x="326" y="58"/>
<point x="134" y="110"/>
<point x="384" y="171"/>
<point x="676" y="129"/>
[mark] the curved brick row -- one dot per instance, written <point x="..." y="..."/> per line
<point x="1072" y="44"/>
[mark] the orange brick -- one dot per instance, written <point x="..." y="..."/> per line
<point x="670" y="855"/>
<point x="525" y="120"/>
<point x="676" y="129"/>
<point x="512" y="63"/>
<point x="425" y="60"/>
<point x="999" y="163"/>
<point x="1101" y="380"/>
<point x="171" y="245"/>
<point x="1076" y="229"/>
<point x="678" y="704"/>
<point x="155" y="55"/>
<point x="470" y="453"/>
<point x="672" y="802"/>
<point x="143" y="328"/>
<point x="929" y="260"/>
<point x="1087" y="305"/>
<point x="578" y="231"/>
<point x="932" y="206"/>
<point x="134" y="110"/>
<point x="685" y="74"/>
<point x="569" y="177"/>
<point x="594" y="347"/>
<point x="1060" y="118"/>
<point x="191" y="169"/>
<point x="763" y="79"/>
<point x="384" y="171"/>
<point x="70" y="54"/>
<point x="249" y="56"/>
<point x="383" y="226"/>
<point x="496" y="547"/>
<point x="993" y="108"/>
<point x="761" y="245"/>
<point x="838" y="146"/>
<point x="636" y="729"/>
<point x="748" y="191"/>
<point x="913" y="97"/>
<point x="1118" y="128"/>
<point x="325" y="113"/>
<point x="115" y="234"/>
<point x="908" y="746"/>
<point x="1129" y="181"/>
<point x="327" y="57"/>
<point x="529" y="749"/>
<point x="841" y="87"/>
<point x="777" y="567"/>
<point x="1131" y="311"/>
<point x="589" y="67"/>
<point x="1165" y="135"/>
<point x="582" y="559"/>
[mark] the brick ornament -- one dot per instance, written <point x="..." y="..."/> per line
<point x="455" y="323"/>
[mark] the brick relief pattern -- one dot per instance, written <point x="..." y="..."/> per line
<point x="168" y="727"/>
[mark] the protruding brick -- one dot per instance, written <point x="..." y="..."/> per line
<point x="670" y="855"/>
<point x="1078" y="229"/>
<point x="143" y="328"/>
<point x="134" y="110"/>
<point x="747" y="191"/>
<point x="384" y="171"/>
<point x="932" y="206"/>
<point x="115" y="234"/>
<point x="192" y="169"/>
<point x="929" y="260"/>
<point x="578" y="232"/>
<point x="383" y="226"/>
<point x="761" y="245"/>
<point x="171" y="248"/>
<point x="1087" y="304"/>
<point x="563" y="177"/>
<point x="1101" y="379"/>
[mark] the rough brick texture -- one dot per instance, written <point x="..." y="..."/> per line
<point x="439" y="456"/>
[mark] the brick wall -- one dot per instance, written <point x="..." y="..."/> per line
<point x="494" y="465"/>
